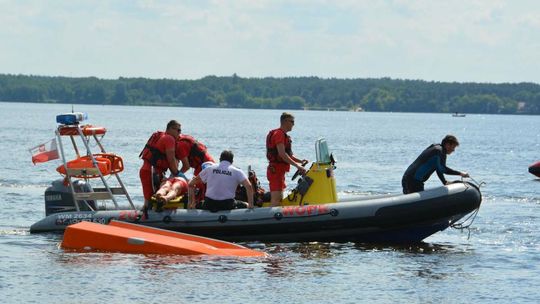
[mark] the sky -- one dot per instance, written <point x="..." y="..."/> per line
<point x="488" y="41"/>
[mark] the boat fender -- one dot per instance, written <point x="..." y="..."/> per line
<point x="334" y="212"/>
<point x="278" y="215"/>
<point x="167" y="219"/>
<point x="222" y="218"/>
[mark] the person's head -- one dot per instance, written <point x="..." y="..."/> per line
<point x="174" y="128"/>
<point x="449" y="143"/>
<point x="226" y="155"/>
<point x="287" y="121"/>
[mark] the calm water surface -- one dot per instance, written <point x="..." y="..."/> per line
<point x="498" y="263"/>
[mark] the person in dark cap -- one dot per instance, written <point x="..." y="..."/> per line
<point x="432" y="159"/>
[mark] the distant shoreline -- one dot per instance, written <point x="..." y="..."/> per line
<point x="308" y="109"/>
<point x="293" y="93"/>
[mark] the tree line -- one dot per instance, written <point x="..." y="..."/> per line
<point x="382" y="94"/>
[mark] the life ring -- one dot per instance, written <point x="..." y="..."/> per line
<point x="107" y="163"/>
<point x="87" y="130"/>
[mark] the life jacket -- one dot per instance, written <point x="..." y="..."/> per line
<point x="271" y="152"/>
<point x="150" y="152"/>
<point x="197" y="152"/>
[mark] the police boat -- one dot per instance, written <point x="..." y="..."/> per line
<point x="311" y="212"/>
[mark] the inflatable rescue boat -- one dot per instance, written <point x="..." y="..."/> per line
<point x="534" y="169"/>
<point x="311" y="212"/>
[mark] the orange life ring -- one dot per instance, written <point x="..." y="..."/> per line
<point x="87" y="130"/>
<point x="107" y="163"/>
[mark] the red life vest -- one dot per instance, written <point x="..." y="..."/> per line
<point x="198" y="153"/>
<point x="271" y="151"/>
<point x="151" y="153"/>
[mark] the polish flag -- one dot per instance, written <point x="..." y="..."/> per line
<point x="44" y="152"/>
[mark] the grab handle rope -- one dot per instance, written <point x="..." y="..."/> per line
<point x="479" y="184"/>
<point x="467" y="222"/>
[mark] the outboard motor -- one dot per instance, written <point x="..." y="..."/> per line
<point x="58" y="197"/>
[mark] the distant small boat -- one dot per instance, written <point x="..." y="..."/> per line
<point x="458" y="115"/>
<point x="534" y="169"/>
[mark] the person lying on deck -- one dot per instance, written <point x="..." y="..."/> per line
<point x="172" y="188"/>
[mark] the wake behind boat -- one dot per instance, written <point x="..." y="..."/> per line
<point x="311" y="212"/>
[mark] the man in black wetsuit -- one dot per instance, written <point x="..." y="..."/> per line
<point x="431" y="159"/>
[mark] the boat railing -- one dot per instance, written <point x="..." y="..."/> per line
<point x="104" y="192"/>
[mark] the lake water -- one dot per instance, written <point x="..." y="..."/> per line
<point x="499" y="262"/>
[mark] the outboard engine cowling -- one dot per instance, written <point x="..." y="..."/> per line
<point x="58" y="197"/>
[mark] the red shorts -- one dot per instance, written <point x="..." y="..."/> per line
<point x="276" y="177"/>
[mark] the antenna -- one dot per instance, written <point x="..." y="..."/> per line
<point x="72" y="109"/>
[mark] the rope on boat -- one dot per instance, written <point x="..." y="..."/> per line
<point x="467" y="222"/>
<point x="277" y="216"/>
<point x="479" y="184"/>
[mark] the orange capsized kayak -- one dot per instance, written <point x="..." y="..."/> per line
<point x="132" y="238"/>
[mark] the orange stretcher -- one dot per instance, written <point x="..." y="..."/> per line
<point x="132" y="238"/>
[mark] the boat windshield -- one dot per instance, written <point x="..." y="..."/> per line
<point x="321" y="151"/>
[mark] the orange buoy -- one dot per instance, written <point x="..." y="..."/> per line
<point x="87" y="130"/>
<point x="133" y="238"/>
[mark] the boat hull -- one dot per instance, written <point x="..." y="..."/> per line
<point x="131" y="238"/>
<point x="396" y="219"/>
<point x="534" y="169"/>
